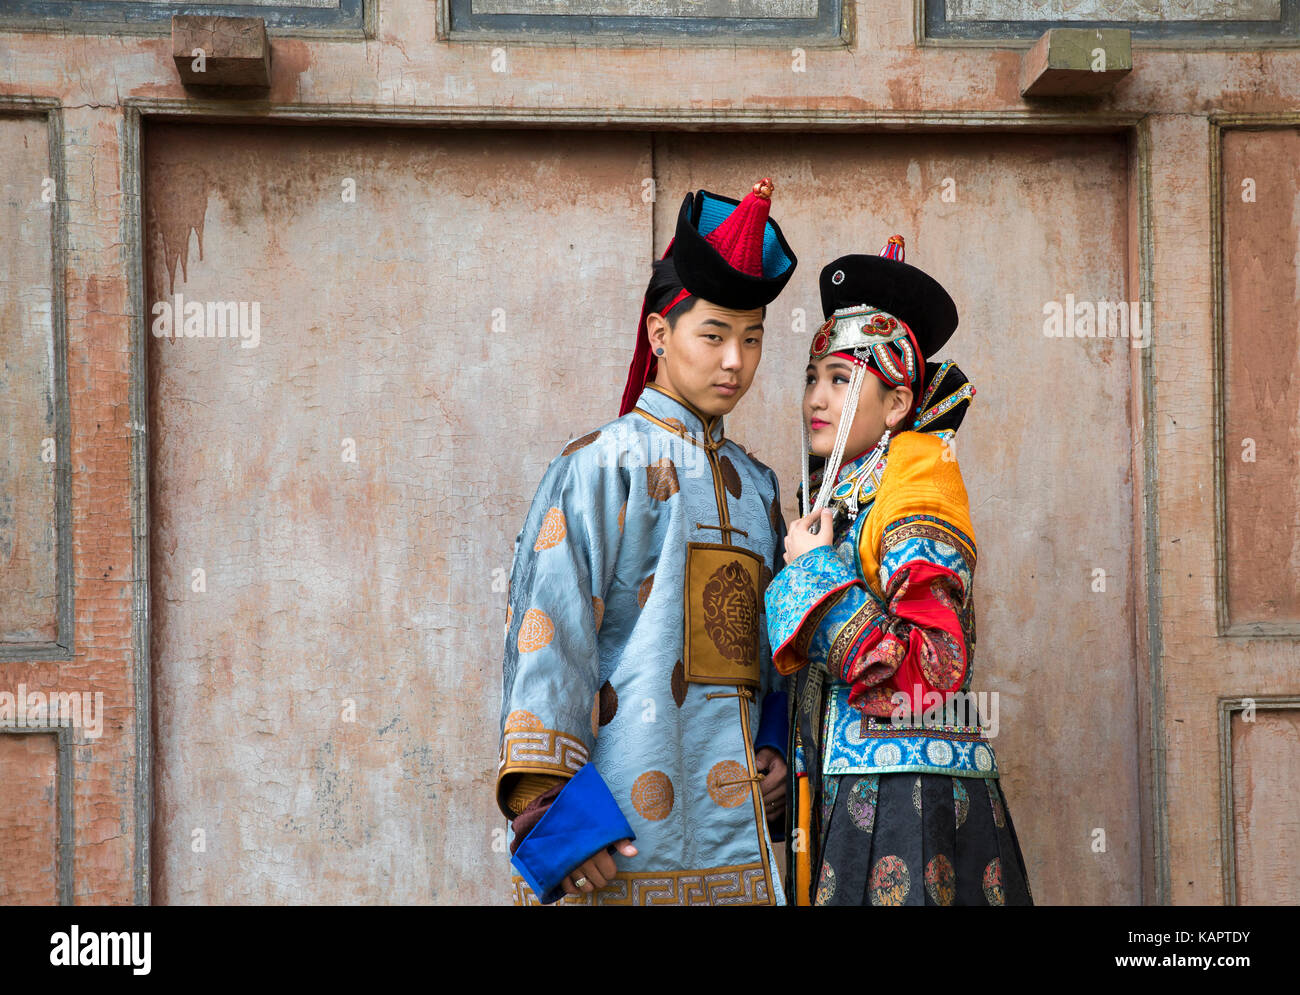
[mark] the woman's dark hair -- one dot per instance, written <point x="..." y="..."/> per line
<point x="664" y="286"/>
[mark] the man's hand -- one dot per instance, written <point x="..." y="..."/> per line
<point x="770" y="763"/>
<point x="799" y="540"/>
<point x="598" y="869"/>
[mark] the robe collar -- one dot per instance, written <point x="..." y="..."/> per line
<point x="850" y="467"/>
<point x="676" y="411"/>
<point x="858" y="480"/>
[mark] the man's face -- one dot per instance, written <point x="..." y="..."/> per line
<point x="710" y="356"/>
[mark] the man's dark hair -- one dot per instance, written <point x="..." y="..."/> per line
<point x="664" y="286"/>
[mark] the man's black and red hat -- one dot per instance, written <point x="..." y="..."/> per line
<point x="727" y="252"/>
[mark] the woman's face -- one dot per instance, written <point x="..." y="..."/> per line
<point x="823" y="398"/>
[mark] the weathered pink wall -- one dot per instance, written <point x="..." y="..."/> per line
<point x="376" y="581"/>
<point x="1165" y="526"/>
<point x="28" y="591"/>
<point x="1261" y="255"/>
<point x="1266" y="822"/>
<point x="29" y="820"/>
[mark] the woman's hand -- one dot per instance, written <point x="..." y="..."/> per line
<point x="799" y="540"/>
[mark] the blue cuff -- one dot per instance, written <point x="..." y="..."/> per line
<point x="773" y="724"/>
<point x="582" y="821"/>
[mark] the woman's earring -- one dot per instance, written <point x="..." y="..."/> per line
<point x="659" y="352"/>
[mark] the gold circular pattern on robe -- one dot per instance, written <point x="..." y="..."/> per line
<point x="731" y="612"/>
<point x="652" y="795"/>
<point x="730" y="476"/>
<point x="552" y="531"/>
<point x="535" y="631"/>
<point x="678" y="684"/>
<point x="643" y="592"/>
<point x="728" y="795"/>
<point x="577" y="444"/>
<point x="522" y="721"/>
<point x="598" y="609"/>
<point x="661" y="479"/>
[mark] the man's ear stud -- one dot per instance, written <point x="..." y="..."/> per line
<point x="659" y="352"/>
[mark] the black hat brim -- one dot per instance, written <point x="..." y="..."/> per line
<point x="705" y="273"/>
<point x="899" y="288"/>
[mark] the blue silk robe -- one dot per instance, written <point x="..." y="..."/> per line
<point x="637" y="655"/>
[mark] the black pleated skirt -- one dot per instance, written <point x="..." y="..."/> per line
<point x="917" y="839"/>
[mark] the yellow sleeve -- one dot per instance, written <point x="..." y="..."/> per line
<point x="918" y="482"/>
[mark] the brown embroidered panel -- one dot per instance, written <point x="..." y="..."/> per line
<point x="744" y="884"/>
<point x="722" y="615"/>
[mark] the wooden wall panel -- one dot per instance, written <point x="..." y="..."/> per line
<point x="29" y="819"/>
<point x="1261" y="384"/>
<point x="1265" y="816"/>
<point x="29" y="395"/>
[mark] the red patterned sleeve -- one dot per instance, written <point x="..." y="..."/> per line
<point x="918" y="648"/>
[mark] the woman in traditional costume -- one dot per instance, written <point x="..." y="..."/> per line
<point x="895" y="797"/>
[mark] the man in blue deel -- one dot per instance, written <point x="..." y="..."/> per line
<point x="639" y="699"/>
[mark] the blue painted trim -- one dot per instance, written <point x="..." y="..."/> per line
<point x="826" y="25"/>
<point x="344" y="14"/>
<point x="937" y="25"/>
